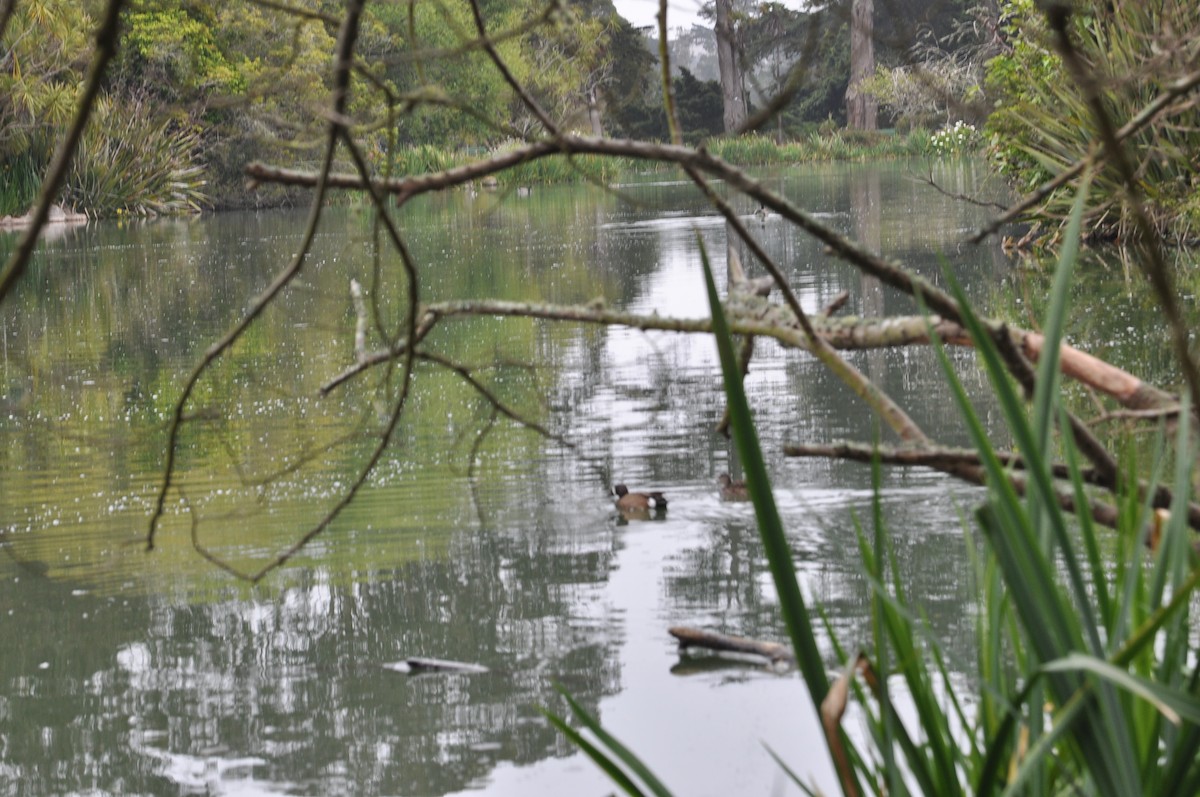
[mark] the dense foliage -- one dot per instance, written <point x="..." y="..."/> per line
<point x="200" y="89"/>
<point x="1043" y="123"/>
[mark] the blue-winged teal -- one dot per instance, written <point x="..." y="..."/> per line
<point x="627" y="500"/>
<point x="731" y="490"/>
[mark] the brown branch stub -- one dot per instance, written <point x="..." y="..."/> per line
<point x="712" y="640"/>
<point x="833" y="708"/>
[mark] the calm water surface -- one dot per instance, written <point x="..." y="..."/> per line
<point x="126" y="672"/>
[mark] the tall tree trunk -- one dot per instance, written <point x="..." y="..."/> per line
<point x="860" y="108"/>
<point x="732" y="94"/>
<point x="594" y="112"/>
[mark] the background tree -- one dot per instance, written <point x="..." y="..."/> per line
<point x="693" y="48"/>
<point x="733" y="91"/>
<point x="773" y="42"/>
<point x="860" y="105"/>
<point x="631" y="95"/>
<point x="701" y="108"/>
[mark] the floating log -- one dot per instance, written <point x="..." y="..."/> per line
<point x="418" y="664"/>
<point x="57" y="215"/>
<point x="711" y="640"/>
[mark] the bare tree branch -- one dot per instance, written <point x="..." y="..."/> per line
<point x="949" y="460"/>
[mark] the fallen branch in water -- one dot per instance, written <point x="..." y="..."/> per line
<point x="418" y="664"/>
<point x="722" y="643"/>
<point x="955" y="460"/>
<point x="754" y="315"/>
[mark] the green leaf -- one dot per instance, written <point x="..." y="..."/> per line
<point x="591" y="751"/>
<point x="619" y="750"/>
<point x="1171" y="703"/>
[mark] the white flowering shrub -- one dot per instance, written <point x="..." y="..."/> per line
<point x="955" y="140"/>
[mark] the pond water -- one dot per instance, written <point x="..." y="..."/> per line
<point x="133" y="672"/>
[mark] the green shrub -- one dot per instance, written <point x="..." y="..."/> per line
<point x="130" y="163"/>
<point x="1042" y="122"/>
<point x="955" y="140"/>
<point x="19" y="182"/>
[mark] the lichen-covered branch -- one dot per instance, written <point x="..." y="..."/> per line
<point x="754" y="315"/>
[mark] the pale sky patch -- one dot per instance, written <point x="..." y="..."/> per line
<point x="680" y="13"/>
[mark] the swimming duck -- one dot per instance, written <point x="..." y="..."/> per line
<point x="643" y="501"/>
<point x="731" y="490"/>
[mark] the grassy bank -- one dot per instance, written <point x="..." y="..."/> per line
<point x="159" y="176"/>
<point x="747" y="151"/>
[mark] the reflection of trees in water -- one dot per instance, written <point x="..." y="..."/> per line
<point x="295" y="685"/>
<point x="730" y="575"/>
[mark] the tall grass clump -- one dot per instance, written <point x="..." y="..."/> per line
<point x="559" y="169"/>
<point x="1135" y="53"/>
<point x="19" y="182"/>
<point x="1086" y="679"/>
<point x="820" y="145"/>
<point x="130" y="163"/>
<point x="426" y="158"/>
<point x="753" y="150"/>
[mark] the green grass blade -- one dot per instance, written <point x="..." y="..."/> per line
<point x="874" y="558"/>
<point x="1041" y="753"/>
<point x="619" y="750"/>
<point x="770" y="525"/>
<point x="1011" y="535"/>
<point x="1099" y="567"/>
<point x="791" y="773"/>
<point x="591" y="751"/>
<point x="1145" y="635"/>
<point x="1183" y="755"/>
<point x="1171" y="703"/>
<point x="1059" y="630"/>
<point x="1045" y="401"/>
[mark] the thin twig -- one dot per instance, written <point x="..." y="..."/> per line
<point x="970" y="200"/>
<point x="343" y="64"/>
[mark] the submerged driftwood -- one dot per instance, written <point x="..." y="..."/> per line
<point x="58" y="215"/>
<point x="418" y="664"/>
<point x="711" y="640"/>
